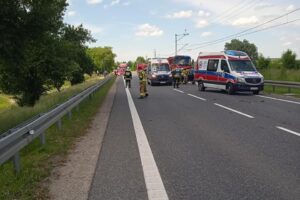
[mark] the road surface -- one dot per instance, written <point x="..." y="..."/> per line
<point x="204" y="145"/>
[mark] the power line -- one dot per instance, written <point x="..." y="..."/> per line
<point x="263" y="29"/>
<point x="249" y="29"/>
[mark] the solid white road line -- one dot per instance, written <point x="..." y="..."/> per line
<point x="288" y="101"/>
<point x="154" y="184"/>
<point x="232" y="110"/>
<point x="178" y="90"/>
<point x="197" y="97"/>
<point x="287" y="130"/>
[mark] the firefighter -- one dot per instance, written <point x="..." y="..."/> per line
<point x="143" y="83"/>
<point x="176" y="74"/>
<point x="128" y="77"/>
<point x="185" y="76"/>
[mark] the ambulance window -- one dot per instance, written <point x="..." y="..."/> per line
<point x="224" y="66"/>
<point x="212" y="65"/>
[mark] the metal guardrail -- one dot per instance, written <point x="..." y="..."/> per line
<point x="287" y="84"/>
<point x="17" y="138"/>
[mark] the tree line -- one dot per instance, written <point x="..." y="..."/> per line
<point x="288" y="59"/>
<point x="38" y="51"/>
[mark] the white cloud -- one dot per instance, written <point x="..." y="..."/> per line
<point x="206" y="34"/>
<point x="71" y="13"/>
<point x="203" y="13"/>
<point x="202" y="23"/>
<point x="180" y="14"/>
<point x="126" y="3"/>
<point x="287" y="44"/>
<point x="115" y="2"/>
<point x="94" y="29"/>
<point x="94" y="1"/>
<point x="243" y="21"/>
<point x="290" y="8"/>
<point x="263" y="5"/>
<point x="147" y="30"/>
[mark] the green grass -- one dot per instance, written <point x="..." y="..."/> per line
<point x="37" y="161"/>
<point x="4" y="102"/>
<point x="281" y="74"/>
<point x="14" y="115"/>
<point x="281" y="90"/>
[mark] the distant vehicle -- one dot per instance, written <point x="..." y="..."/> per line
<point x="121" y="69"/>
<point x="182" y="62"/>
<point x="229" y="70"/>
<point x="158" y="72"/>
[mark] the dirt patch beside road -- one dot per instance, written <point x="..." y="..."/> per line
<point x="73" y="179"/>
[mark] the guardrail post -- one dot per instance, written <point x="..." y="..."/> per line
<point x="43" y="138"/>
<point x="273" y="86"/>
<point x="70" y="114"/>
<point x="16" y="162"/>
<point x="59" y="124"/>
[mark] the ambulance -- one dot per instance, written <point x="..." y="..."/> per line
<point x="229" y="70"/>
<point x="159" y="72"/>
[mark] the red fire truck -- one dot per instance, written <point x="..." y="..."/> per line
<point x="121" y="69"/>
<point x="183" y="62"/>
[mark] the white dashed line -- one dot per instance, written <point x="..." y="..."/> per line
<point x="154" y="184"/>
<point x="287" y="130"/>
<point x="197" y="97"/>
<point x="288" y="101"/>
<point x="232" y="110"/>
<point x="178" y="90"/>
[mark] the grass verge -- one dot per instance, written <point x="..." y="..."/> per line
<point x="4" y="102"/>
<point x="15" y="115"/>
<point x="38" y="161"/>
<point x="281" y="90"/>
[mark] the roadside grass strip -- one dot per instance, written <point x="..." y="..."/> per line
<point x="197" y="97"/>
<point x="153" y="181"/>
<point x="38" y="160"/>
<point x="283" y="100"/>
<point x="287" y="130"/>
<point x="235" y="111"/>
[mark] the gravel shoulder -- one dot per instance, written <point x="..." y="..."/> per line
<point x="74" y="178"/>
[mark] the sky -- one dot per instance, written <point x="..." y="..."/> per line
<point x="147" y="27"/>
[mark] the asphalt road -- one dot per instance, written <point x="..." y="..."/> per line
<point x="206" y="145"/>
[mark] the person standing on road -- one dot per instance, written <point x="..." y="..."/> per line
<point x="185" y="76"/>
<point x="176" y="74"/>
<point x="128" y="77"/>
<point x="143" y="84"/>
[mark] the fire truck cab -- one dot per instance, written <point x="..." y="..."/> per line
<point x="229" y="70"/>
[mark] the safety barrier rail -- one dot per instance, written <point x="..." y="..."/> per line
<point x="14" y="140"/>
<point x="287" y="84"/>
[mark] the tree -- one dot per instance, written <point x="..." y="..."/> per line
<point x="288" y="59"/>
<point x="140" y="60"/>
<point x="27" y="29"/>
<point x="244" y="46"/>
<point x="262" y="62"/>
<point x="103" y="57"/>
<point x="38" y="51"/>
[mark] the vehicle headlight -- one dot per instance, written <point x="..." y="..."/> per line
<point x="170" y="75"/>
<point x="241" y="79"/>
<point x="153" y="76"/>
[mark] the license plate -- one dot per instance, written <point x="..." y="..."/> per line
<point x="253" y="88"/>
<point x="163" y="82"/>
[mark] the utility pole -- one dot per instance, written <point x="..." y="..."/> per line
<point x="179" y="37"/>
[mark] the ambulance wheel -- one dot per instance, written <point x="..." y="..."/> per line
<point x="201" y="86"/>
<point x="151" y="83"/>
<point x="230" y="90"/>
